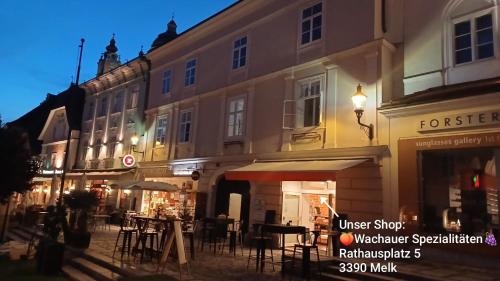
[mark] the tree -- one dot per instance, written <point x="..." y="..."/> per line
<point x="17" y="166"/>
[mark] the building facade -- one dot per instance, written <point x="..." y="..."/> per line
<point x="444" y="126"/>
<point x="268" y="82"/>
<point x="49" y="127"/>
<point x="112" y="118"/>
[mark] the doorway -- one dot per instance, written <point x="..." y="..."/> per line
<point x="234" y="194"/>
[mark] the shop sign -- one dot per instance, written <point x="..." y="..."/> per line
<point x="195" y="175"/>
<point x="51" y="172"/>
<point x="128" y="160"/>
<point x="458" y="121"/>
<point x="460" y="141"/>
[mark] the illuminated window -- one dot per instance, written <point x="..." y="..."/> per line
<point x="235" y="117"/>
<point x="473" y="38"/>
<point x="308" y="102"/>
<point x="118" y="103"/>
<point x="167" y="79"/>
<point x="185" y="126"/>
<point x="161" y="130"/>
<point x="97" y="148"/>
<point x="240" y="53"/>
<point x="111" y="147"/>
<point x="311" y="24"/>
<point x="104" y="107"/>
<point x="190" y="77"/>
<point x="133" y="97"/>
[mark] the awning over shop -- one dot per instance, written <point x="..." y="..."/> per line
<point x="116" y="174"/>
<point x="310" y="170"/>
<point x="145" y="185"/>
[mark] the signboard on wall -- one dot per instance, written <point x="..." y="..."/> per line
<point x="128" y="160"/>
<point x="458" y="121"/>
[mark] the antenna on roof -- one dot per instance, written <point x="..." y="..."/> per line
<point x="80" y="61"/>
<point x="173" y="15"/>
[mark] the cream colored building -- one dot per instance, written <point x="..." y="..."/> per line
<point x="112" y="115"/>
<point x="270" y="82"/>
<point x="444" y="126"/>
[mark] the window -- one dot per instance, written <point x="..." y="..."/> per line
<point x="190" y="72"/>
<point x="133" y="97"/>
<point x="185" y="126"/>
<point x="240" y="52"/>
<point x="167" y="77"/>
<point x="118" y="103"/>
<point x="311" y="24"/>
<point x="235" y="117"/>
<point x="53" y="157"/>
<point x="308" y="102"/>
<point x="111" y="147"/>
<point x="97" y="148"/>
<point x="161" y="130"/>
<point x="84" y="150"/>
<point x="474" y="39"/>
<point x="90" y="111"/>
<point x="104" y="107"/>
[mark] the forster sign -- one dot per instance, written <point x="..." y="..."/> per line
<point x="465" y="120"/>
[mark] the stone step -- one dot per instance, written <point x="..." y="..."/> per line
<point x="14" y="236"/>
<point x="21" y="233"/>
<point x="124" y="269"/>
<point x="94" y="270"/>
<point x="75" y="275"/>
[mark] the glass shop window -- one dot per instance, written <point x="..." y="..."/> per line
<point x="460" y="191"/>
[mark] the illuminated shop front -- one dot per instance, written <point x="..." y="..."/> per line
<point x="307" y="189"/>
<point x="446" y="154"/>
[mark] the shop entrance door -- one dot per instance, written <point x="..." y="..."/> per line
<point x="291" y="214"/>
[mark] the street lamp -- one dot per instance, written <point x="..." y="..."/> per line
<point x="134" y="140"/>
<point x="359" y="102"/>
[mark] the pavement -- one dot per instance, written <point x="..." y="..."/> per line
<point x="210" y="267"/>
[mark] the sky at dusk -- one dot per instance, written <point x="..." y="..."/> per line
<point x="39" y="40"/>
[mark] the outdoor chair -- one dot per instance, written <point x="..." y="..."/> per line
<point x="189" y="234"/>
<point x="260" y="242"/>
<point x="127" y="228"/>
<point x="147" y="233"/>
<point x="306" y="247"/>
<point x="207" y="232"/>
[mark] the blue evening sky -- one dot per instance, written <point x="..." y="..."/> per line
<point x="39" y="40"/>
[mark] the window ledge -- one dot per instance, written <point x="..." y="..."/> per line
<point x="310" y="45"/>
<point x="233" y="142"/>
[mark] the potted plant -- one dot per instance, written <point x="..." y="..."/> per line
<point x="50" y="251"/>
<point x="80" y="202"/>
<point x="185" y="215"/>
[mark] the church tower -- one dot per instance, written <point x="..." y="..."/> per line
<point x="109" y="59"/>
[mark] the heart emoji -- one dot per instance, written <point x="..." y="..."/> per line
<point x="346" y="238"/>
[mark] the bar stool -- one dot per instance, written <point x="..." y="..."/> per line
<point x="127" y="229"/>
<point x="306" y="249"/>
<point x="146" y="233"/>
<point x="260" y="241"/>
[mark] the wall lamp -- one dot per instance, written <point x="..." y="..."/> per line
<point x="359" y="102"/>
<point x="134" y="140"/>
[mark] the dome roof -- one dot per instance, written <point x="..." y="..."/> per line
<point x="166" y="36"/>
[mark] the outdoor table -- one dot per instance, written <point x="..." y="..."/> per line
<point x="210" y="225"/>
<point x="164" y="232"/>
<point x="332" y="242"/>
<point x="279" y="229"/>
<point x="104" y="219"/>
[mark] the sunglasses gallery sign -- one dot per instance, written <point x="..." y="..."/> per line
<point x="457" y="121"/>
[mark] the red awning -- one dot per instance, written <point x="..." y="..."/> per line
<point x="317" y="170"/>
